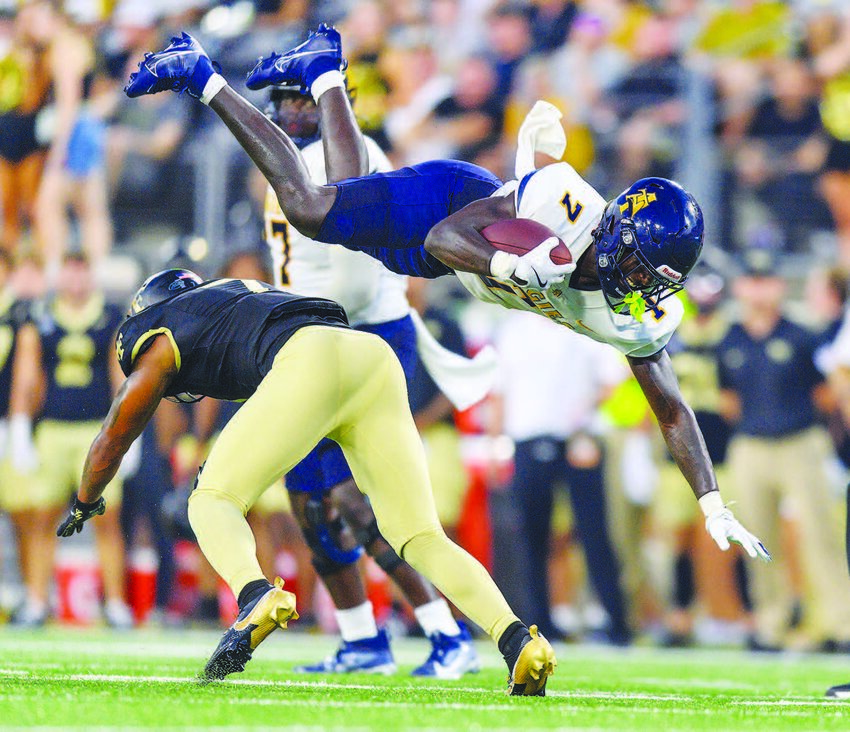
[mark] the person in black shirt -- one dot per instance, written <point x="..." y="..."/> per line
<point x="779" y="453"/>
<point x="305" y="375"/>
<point x="782" y="151"/>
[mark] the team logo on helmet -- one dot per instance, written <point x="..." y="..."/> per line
<point x="637" y="201"/>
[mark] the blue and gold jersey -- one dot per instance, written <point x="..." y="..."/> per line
<point x="13" y="314"/>
<point x="75" y="351"/>
<point x="225" y="334"/>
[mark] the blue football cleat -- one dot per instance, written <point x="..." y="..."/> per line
<point x="536" y="663"/>
<point x="451" y="657"/>
<point x="321" y="52"/>
<point x="181" y="66"/>
<point x="367" y="656"/>
<point x="253" y="625"/>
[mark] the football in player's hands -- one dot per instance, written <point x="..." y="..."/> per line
<point x="520" y="236"/>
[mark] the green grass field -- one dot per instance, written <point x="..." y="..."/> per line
<point x="68" y="679"/>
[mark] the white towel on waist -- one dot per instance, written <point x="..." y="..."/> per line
<point x="465" y="381"/>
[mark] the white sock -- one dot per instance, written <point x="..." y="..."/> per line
<point x="328" y="80"/>
<point x="213" y="86"/>
<point x="435" y="616"/>
<point x="357" y="623"/>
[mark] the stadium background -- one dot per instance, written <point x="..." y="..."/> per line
<point x="742" y="101"/>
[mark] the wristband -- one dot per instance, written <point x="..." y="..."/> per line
<point x="85" y="506"/>
<point x="324" y="82"/>
<point x="213" y="86"/>
<point x="711" y="503"/>
<point x="503" y="264"/>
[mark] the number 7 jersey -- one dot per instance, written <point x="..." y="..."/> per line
<point x="368" y="292"/>
<point x="558" y="197"/>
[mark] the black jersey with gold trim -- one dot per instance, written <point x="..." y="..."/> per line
<point x="75" y="349"/>
<point x="225" y="334"/>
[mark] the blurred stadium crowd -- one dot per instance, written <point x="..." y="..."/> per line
<point x="746" y="102"/>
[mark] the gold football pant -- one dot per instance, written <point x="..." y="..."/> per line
<point x="349" y="386"/>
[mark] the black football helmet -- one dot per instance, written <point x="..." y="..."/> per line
<point x="162" y="286"/>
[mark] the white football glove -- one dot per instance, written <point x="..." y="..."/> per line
<point x="724" y="528"/>
<point x="534" y="268"/>
<point x="537" y="269"/>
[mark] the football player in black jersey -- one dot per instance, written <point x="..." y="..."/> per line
<point x="305" y="375"/>
<point x="66" y="381"/>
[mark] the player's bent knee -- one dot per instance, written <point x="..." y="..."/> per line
<point x="203" y="499"/>
<point x="328" y="557"/>
<point x="368" y="533"/>
<point x="421" y="542"/>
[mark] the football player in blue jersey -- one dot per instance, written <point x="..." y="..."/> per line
<point x="629" y="254"/>
<point x="304" y="375"/>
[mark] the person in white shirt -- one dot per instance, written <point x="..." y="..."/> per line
<point x="549" y="409"/>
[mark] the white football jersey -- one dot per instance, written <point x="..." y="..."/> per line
<point x="368" y="292"/>
<point x="557" y="196"/>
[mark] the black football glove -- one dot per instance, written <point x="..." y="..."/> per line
<point x="80" y="513"/>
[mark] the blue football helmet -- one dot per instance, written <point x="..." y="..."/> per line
<point x="647" y="242"/>
<point x="162" y="286"/>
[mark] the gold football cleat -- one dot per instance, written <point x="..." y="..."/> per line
<point x="255" y="623"/>
<point x="536" y="663"/>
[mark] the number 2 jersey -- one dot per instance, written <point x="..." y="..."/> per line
<point x="76" y="346"/>
<point x="558" y="197"/>
<point x="368" y="292"/>
<point x="225" y="334"/>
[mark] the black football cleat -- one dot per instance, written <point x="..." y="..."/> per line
<point x="536" y="663"/>
<point x="253" y="625"/>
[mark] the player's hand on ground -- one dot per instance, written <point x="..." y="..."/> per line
<point x="725" y="529"/>
<point x="536" y="268"/>
<point x="80" y="513"/>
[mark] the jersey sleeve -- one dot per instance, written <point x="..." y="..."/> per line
<point x="124" y="344"/>
<point x="557" y="187"/>
<point x="135" y="337"/>
<point x="559" y="198"/>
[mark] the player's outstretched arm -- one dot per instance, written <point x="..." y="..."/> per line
<point x="132" y="408"/>
<point x="676" y="419"/>
<point x="687" y="446"/>
<point x="457" y="241"/>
